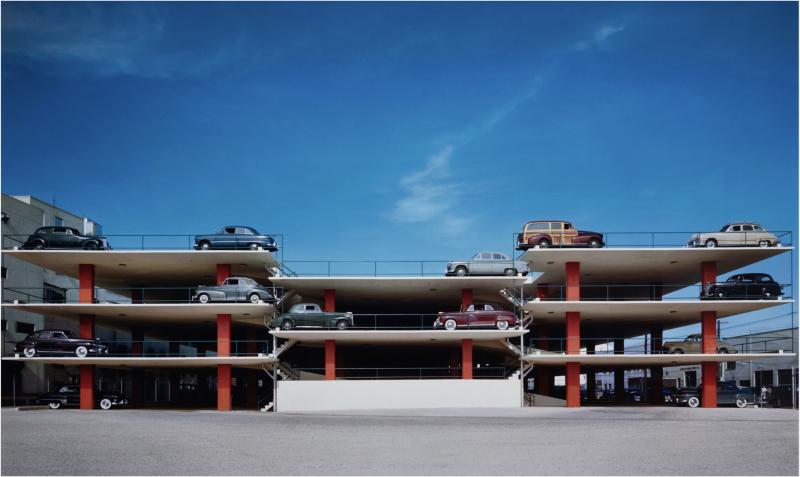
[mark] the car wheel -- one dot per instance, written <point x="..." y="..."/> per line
<point x="253" y="246"/>
<point x="341" y="325"/>
<point x="722" y="351"/>
<point x="105" y="404"/>
<point x="54" y="405"/>
<point x="38" y="246"/>
<point x="90" y="246"/>
<point x="254" y="298"/>
<point x="81" y="351"/>
<point x="203" y="298"/>
<point x="462" y="271"/>
<point x="502" y="325"/>
<point x="511" y="272"/>
<point x="741" y="403"/>
<point x="287" y="325"/>
<point x="693" y="401"/>
<point x="205" y="245"/>
<point x="29" y="352"/>
<point x="677" y="351"/>
<point x="594" y="243"/>
<point x="711" y="243"/>
<point x="450" y="324"/>
<point x="763" y="243"/>
<point x="544" y="243"/>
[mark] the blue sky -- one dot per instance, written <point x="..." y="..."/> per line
<point x="403" y="131"/>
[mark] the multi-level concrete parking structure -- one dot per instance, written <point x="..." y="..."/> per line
<point x="577" y="308"/>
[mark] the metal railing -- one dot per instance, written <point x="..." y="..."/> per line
<point x="676" y="291"/>
<point x="126" y="295"/>
<point x="452" y="372"/>
<point x="647" y="346"/>
<point x="660" y="239"/>
<point x="328" y="268"/>
<point x="149" y="241"/>
<point x="156" y="348"/>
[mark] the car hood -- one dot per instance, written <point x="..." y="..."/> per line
<point x="588" y="232"/>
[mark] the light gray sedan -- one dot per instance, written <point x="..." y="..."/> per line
<point x="234" y="289"/>
<point x="735" y="235"/>
<point x="487" y="263"/>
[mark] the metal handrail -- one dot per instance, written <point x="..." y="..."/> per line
<point x="649" y="239"/>
<point x="647" y="292"/>
<point x="141" y="239"/>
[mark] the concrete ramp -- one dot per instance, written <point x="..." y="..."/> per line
<point x="540" y="400"/>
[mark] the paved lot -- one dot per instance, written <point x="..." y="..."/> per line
<point x="677" y="441"/>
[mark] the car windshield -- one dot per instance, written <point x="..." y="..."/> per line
<point x="762" y="278"/>
<point x="724" y="228"/>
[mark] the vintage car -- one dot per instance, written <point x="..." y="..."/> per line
<point x="487" y="263"/>
<point x="742" y="234"/>
<point x="310" y="315"/>
<point x="727" y="393"/>
<point x="234" y="289"/>
<point x="694" y="344"/>
<point x="556" y="233"/>
<point x="235" y="237"/>
<point x="478" y="315"/>
<point x="64" y="237"/>
<point x="70" y="395"/>
<point x="59" y="342"/>
<point x="743" y="287"/>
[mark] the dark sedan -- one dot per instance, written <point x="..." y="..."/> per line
<point x="59" y="342"/>
<point x="70" y="395"/>
<point x="477" y="316"/>
<point x="234" y="289"/>
<point x="727" y="393"/>
<point x="235" y="237"/>
<point x="743" y="287"/>
<point x="64" y="237"/>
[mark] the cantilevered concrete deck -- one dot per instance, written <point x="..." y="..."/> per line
<point x="143" y="268"/>
<point x="633" y="318"/>
<point x="644" y="360"/>
<point x="152" y="313"/>
<point x="254" y="362"/>
<point x="633" y="266"/>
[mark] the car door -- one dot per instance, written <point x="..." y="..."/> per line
<point x="231" y="288"/>
<point x="499" y="264"/>
<point x="44" y="342"/>
<point x="748" y="235"/>
<point x="60" y="343"/>
<point x="57" y="238"/>
<point x="71" y="239"/>
<point x="569" y="233"/>
<point x="726" y="393"/>
<point x="733" y="236"/>
<point x="227" y="238"/>
<point x="485" y="316"/>
<point x="694" y="344"/>
<point x="746" y="288"/>
<point x="72" y="393"/>
<point x="556" y="233"/>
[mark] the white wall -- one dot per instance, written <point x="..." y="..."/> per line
<point x="341" y="395"/>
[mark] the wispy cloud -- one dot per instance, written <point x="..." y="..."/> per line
<point x="600" y="38"/>
<point x="432" y="193"/>
<point x="76" y="39"/>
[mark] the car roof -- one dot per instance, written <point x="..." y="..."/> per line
<point x="239" y="226"/>
<point x="490" y="251"/>
<point x="547" y="220"/>
<point x="240" y="278"/>
<point x="753" y="275"/>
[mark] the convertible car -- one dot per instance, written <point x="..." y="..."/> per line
<point x="234" y="289"/>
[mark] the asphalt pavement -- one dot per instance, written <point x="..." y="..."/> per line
<point x="549" y="441"/>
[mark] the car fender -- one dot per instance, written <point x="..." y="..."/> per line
<point x="536" y="238"/>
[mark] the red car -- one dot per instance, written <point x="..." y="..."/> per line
<point x="477" y="316"/>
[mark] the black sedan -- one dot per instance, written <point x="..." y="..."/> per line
<point x="727" y="393"/>
<point x="745" y="286"/>
<point x="59" y="342"/>
<point x="235" y="237"/>
<point x="64" y="237"/>
<point x="70" y="395"/>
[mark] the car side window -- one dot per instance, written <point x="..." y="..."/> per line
<point x="59" y="336"/>
<point x="470" y="308"/>
<point x="232" y="281"/>
<point x="736" y="228"/>
<point x="747" y="228"/>
<point x="243" y="231"/>
<point x="43" y="335"/>
<point x="229" y="230"/>
<point x="488" y="307"/>
<point x="311" y="308"/>
<point x="567" y="226"/>
<point x="486" y="256"/>
<point x="498" y="256"/>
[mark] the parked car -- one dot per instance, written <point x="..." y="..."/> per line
<point x="744" y="286"/>
<point x="479" y="315"/>
<point x="64" y="237"/>
<point x="556" y="233"/>
<point x="487" y="263"/>
<point x="310" y="315"/>
<point x="59" y="342"/>
<point x="235" y="237"/>
<point x="727" y="393"/>
<point x="70" y="395"/>
<point x="740" y="234"/>
<point x="234" y="289"/>
<point x="694" y="344"/>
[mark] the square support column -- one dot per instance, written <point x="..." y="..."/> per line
<point x="330" y="360"/>
<point x="223" y="272"/>
<point x="330" y="301"/>
<point x="573" y="281"/>
<point x="86" y="331"/>
<point x="573" y="381"/>
<point x="466" y="359"/>
<point x="709" y="330"/>
<point x="466" y="298"/>
<point x="224" y="371"/>
<point x="573" y="334"/>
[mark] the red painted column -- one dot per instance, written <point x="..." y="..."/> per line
<point x="224" y="370"/>
<point x="466" y="359"/>
<point x="330" y="300"/>
<point x="466" y="298"/>
<point x="708" y="272"/>
<point x="330" y="360"/>
<point x="86" y="331"/>
<point x="223" y="272"/>
<point x="573" y="334"/>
